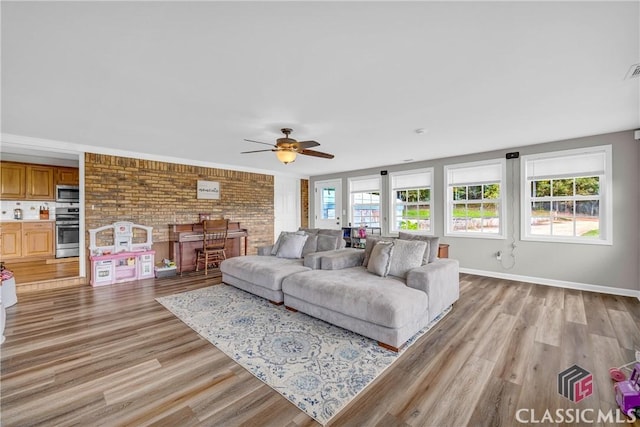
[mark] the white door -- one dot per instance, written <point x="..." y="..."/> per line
<point x="286" y="206"/>
<point x="328" y="204"/>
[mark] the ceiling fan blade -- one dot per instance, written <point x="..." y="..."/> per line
<point x="307" y="144"/>
<point x="255" y="151"/>
<point x="316" y="154"/>
<point x="259" y="142"/>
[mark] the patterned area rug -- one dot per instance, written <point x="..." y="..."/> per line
<point x="319" y="367"/>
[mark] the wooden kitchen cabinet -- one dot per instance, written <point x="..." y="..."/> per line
<point x="67" y="176"/>
<point x="22" y="181"/>
<point x="11" y="236"/>
<point x="13" y="181"/>
<point x="37" y="239"/>
<point x="40" y="182"/>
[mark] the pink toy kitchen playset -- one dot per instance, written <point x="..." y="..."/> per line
<point x="123" y="260"/>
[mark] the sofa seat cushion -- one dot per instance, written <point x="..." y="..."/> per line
<point x="357" y="293"/>
<point x="266" y="271"/>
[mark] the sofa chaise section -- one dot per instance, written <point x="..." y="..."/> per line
<point x="260" y="275"/>
<point x="384" y="309"/>
<point x="293" y="252"/>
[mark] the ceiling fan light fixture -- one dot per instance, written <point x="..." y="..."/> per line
<point x="286" y="156"/>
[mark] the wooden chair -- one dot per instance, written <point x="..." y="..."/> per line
<point x="215" y="237"/>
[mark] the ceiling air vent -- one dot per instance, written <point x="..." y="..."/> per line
<point x="634" y="71"/>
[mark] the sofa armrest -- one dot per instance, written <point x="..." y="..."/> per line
<point x="440" y="280"/>
<point x="342" y="258"/>
<point x="265" y="250"/>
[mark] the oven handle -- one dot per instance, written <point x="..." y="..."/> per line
<point x="67" y="226"/>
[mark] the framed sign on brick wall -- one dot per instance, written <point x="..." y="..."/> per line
<point x="208" y="190"/>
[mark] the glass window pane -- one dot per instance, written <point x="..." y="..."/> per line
<point x="541" y="188"/>
<point x="474" y="217"/>
<point x="491" y="191"/>
<point x="562" y="187"/>
<point x="490" y="210"/>
<point x="328" y="201"/>
<point x="588" y="218"/>
<point x="424" y="212"/>
<point x="588" y="209"/>
<point x="424" y="225"/>
<point x="563" y="208"/>
<point x="401" y="196"/>
<point x="541" y="218"/>
<point x="412" y="196"/>
<point x="490" y="218"/>
<point x="588" y="186"/>
<point x="459" y="217"/>
<point x="563" y="222"/>
<point x="460" y="193"/>
<point x="475" y="192"/>
<point x="459" y="210"/>
<point x="425" y="195"/>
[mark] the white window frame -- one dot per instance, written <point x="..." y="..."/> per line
<point x="448" y="209"/>
<point x="392" y="200"/>
<point x="350" y="183"/>
<point x="605" y="196"/>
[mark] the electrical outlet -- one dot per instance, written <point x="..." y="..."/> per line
<point x="499" y="255"/>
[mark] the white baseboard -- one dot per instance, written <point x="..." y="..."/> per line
<point x="557" y="283"/>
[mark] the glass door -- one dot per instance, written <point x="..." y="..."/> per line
<point x="328" y="204"/>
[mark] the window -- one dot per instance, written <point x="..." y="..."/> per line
<point x="328" y="203"/>
<point x="364" y="201"/>
<point x="475" y="199"/>
<point x="567" y="196"/>
<point x="410" y="201"/>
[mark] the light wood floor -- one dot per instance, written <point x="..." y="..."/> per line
<point x="113" y="356"/>
<point x="43" y="269"/>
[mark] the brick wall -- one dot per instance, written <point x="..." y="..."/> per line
<point x="157" y="194"/>
<point x="304" y="203"/>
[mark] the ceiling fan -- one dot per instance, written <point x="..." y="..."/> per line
<point x="287" y="148"/>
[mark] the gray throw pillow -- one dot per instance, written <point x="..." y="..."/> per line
<point x="328" y="243"/>
<point x="380" y="259"/>
<point x="291" y="246"/>
<point x="311" y="245"/>
<point x="368" y="247"/>
<point x="276" y="245"/>
<point x="431" y="253"/>
<point x="407" y="255"/>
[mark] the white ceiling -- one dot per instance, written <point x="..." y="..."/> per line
<point x="191" y="80"/>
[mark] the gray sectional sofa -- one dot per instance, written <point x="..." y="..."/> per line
<point x="263" y="274"/>
<point x="353" y="288"/>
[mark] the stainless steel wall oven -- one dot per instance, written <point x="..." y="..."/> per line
<point x="67" y="231"/>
